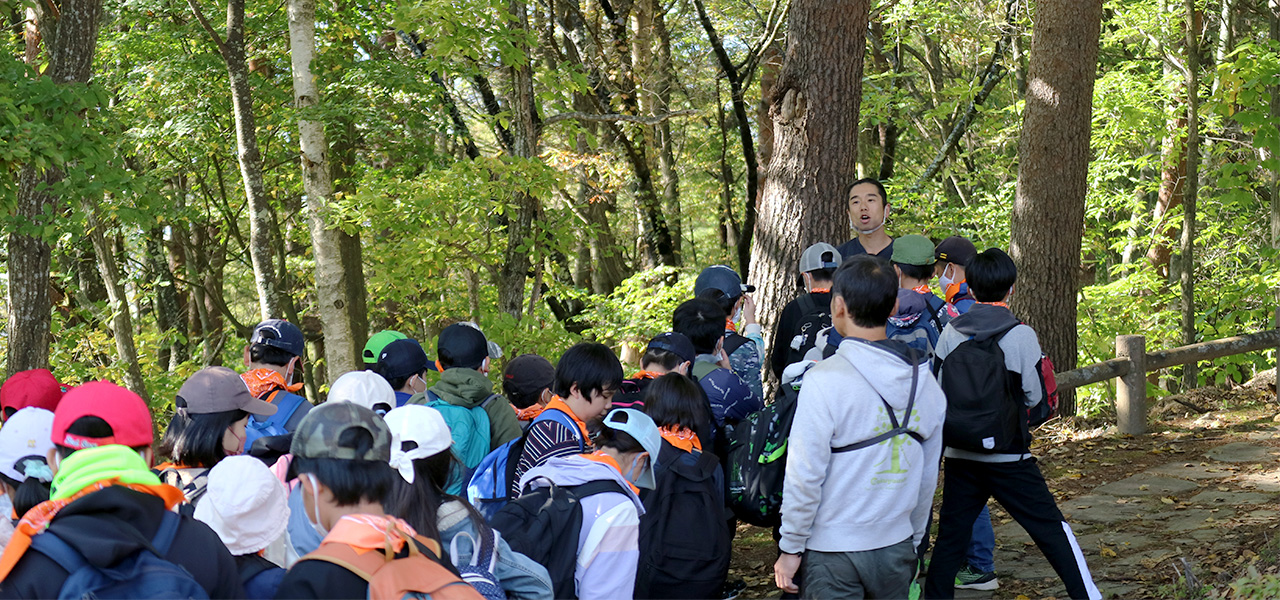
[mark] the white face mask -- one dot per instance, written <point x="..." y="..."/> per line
<point x="315" y="491"/>
<point x="945" y="281"/>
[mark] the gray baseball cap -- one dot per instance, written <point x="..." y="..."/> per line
<point x="819" y="256"/>
<point x="641" y="427"/>
<point x="219" y="389"/>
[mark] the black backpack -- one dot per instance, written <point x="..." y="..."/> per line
<point x="985" y="412"/>
<point x="757" y="460"/>
<point x="684" y="540"/>
<point x="544" y="523"/>
<point x="813" y="319"/>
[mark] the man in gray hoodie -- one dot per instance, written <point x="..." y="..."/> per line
<point x="858" y="486"/>
<point x="998" y="466"/>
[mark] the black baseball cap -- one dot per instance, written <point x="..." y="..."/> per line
<point x="675" y="343"/>
<point x="462" y="346"/>
<point x="279" y="333"/>
<point x="955" y="249"/>
<point x="402" y="358"/>
<point x="527" y="374"/>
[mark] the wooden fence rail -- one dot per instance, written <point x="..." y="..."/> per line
<point x="1133" y="362"/>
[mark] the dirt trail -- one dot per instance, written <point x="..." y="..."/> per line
<point x="1200" y="491"/>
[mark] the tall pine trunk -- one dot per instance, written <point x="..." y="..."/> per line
<point x="326" y="242"/>
<point x="260" y="250"/>
<point x="1053" y="165"/>
<point x="71" y="38"/>
<point x="814" y="104"/>
<point x="1187" y="262"/>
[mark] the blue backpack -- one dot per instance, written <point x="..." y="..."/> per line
<point x="490" y="486"/>
<point x="479" y="573"/>
<point x="143" y="574"/>
<point x="273" y="425"/>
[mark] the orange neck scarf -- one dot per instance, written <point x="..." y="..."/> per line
<point x="825" y="290"/>
<point x="529" y="413"/>
<point x="922" y="288"/>
<point x="647" y="375"/>
<point x="37" y="519"/>
<point x="605" y="459"/>
<point x="264" y="381"/>
<point x="680" y="437"/>
<point x="370" y="532"/>
<point x="559" y="404"/>
<point x="1001" y="304"/>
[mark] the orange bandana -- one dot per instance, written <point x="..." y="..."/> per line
<point x="923" y="289"/>
<point x="820" y="291"/>
<point x="729" y="326"/>
<point x="37" y="519"/>
<point x="529" y="413"/>
<point x="1001" y="304"/>
<point x="264" y="381"/>
<point x="605" y="459"/>
<point x="559" y="404"/>
<point x="368" y="532"/>
<point x="647" y="375"/>
<point x="681" y="438"/>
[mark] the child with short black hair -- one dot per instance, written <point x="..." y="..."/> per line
<point x="666" y="353"/>
<point x="731" y="398"/>
<point x="1007" y="472"/>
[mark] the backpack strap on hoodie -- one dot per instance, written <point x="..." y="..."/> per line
<point x="897" y="429"/>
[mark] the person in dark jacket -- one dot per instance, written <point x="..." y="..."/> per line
<point x="797" y="332"/>
<point x="341" y="452"/>
<point x="105" y="502"/>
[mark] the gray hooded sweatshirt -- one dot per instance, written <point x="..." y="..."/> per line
<point x="875" y="496"/>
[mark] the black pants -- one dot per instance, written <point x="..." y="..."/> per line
<point x="1020" y="488"/>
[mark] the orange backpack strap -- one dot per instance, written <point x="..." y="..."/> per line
<point x="365" y="565"/>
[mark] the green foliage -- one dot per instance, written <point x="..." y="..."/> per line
<point x="641" y="307"/>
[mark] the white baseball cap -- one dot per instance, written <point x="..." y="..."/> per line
<point x="25" y="441"/>
<point x="245" y="504"/>
<point x="365" y="388"/>
<point x="423" y="429"/>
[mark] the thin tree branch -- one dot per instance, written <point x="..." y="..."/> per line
<point x="217" y="40"/>
<point x="615" y="118"/>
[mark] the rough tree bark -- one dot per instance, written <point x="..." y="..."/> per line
<point x="121" y="319"/>
<point x="1048" y="212"/>
<point x="70" y="42"/>
<point x="1187" y="262"/>
<point x="524" y="133"/>
<point x="815" y="106"/>
<point x="341" y="354"/>
<point x="260" y="252"/>
<point x="1273" y="22"/>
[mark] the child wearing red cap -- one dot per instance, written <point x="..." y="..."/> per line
<point x="36" y="388"/>
<point x="106" y="507"/>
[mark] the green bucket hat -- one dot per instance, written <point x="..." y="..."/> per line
<point x="373" y="348"/>
<point x="320" y="431"/>
<point x="912" y="249"/>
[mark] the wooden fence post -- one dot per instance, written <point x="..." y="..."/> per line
<point x="1131" y="389"/>
<point x="1277" y="326"/>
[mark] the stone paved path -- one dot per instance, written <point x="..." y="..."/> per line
<point x="1141" y="522"/>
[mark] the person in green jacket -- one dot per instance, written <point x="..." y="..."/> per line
<point x="463" y="361"/>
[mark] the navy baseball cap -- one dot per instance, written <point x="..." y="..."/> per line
<point x="279" y="333"/>
<point x="720" y="277"/>
<point x="675" y="343"/>
<point x="461" y="346"/>
<point x="402" y="358"/>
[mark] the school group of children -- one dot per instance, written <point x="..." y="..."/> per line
<point x="572" y="480"/>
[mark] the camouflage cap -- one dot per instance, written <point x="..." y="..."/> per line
<point x="318" y="433"/>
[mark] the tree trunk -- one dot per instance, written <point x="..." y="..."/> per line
<point x="663" y="82"/>
<point x="121" y="319"/>
<point x="1053" y="165"/>
<point x="815" y="106"/>
<point x="1187" y="243"/>
<point x="71" y="39"/>
<point x="341" y="354"/>
<point x="169" y="317"/>
<point x="524" y="133"/>
<point x="1273" y="22"/>
<point x="260" y="252"/>
<point x="1173" y="172"/>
